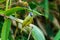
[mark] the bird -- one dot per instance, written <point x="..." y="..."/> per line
<point x="28" y="20"/>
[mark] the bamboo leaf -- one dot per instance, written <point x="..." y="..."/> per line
<point x="46" y="8"/>
<point x="5" y="29"/>
<point x="15" y="9"/>
<point x="57" y="37"/>
<point x="36" y="13"/>
<point x="12" y="10"/>
<point x="37" y="33"/>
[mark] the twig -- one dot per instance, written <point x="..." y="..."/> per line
<point x="29" y="34"/>
<point x="16" y="30"/>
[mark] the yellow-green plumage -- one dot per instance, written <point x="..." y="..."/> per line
<point x="28" y="20"/>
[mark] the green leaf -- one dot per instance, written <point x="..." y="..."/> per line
<point x="6" y="29"/>
<point x="1" y="12"/>
<point x="36" y="13"/>
<point x="46" y="8"/>
<point x="32" y="5"/>
<point x="57" y="37"/>
<point x="13" y="10"/>
<point x="37" y="33"/>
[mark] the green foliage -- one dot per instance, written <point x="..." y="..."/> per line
<point x="32" y="5"/>
<point x="13" y="10"/>
<point x="37" y="33"/>
<point x="45" y="14"/>
<point x="2" y="1"/>
<point x="46" y="8"/>
<point x="1" y="12"/>
<point x="6" y="29"/>
<point x="57" y="37"/>
<point x="36" y="13"/>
